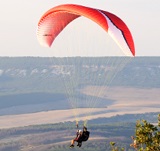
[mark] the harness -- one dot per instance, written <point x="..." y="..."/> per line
<point x="84" y="136"/>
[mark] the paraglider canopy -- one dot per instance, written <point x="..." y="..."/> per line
<point x="57" y="18"/>
<point x="79" y="70"/>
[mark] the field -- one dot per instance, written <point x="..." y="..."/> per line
<point x="127" y="100"/>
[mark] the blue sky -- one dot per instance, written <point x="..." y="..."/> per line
<point x="19" y="20"/>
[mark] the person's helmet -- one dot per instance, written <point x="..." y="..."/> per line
<point x="80" y="131"/>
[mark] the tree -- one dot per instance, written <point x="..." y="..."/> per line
<point x="147" y="136"/>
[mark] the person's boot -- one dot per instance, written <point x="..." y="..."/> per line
<point x="80" y="144"/>
<point x="72" y="146"/>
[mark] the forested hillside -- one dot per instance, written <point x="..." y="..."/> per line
<point x="34" y="74"/>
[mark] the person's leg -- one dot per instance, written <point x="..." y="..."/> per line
<point x="72" y="142"/>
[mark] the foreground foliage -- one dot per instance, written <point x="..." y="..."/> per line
<point x="147" y="137"/>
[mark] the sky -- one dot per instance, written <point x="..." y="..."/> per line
<point x="19" y="19"/>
